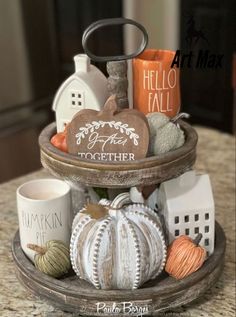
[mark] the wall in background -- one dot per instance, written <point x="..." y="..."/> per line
<point x="38" y="40"/>
<point x="26" y="81"/>
<point x="14" y="64"/>
<point x="161" y="20"/>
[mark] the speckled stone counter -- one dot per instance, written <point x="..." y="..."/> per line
<point x="216" y="156"/>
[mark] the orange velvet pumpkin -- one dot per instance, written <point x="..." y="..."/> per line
<point x="59" y="141"/>
<point x="184" y="256"/>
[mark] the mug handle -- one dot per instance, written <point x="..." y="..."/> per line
<point x="114" y="21"/>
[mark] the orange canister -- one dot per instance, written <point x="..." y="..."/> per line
<point x="156" y="86"/>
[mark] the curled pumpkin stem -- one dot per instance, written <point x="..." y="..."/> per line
<point x="36" y="248"/>
<point x="197" y="239"/>
<point x="180" y="116"/>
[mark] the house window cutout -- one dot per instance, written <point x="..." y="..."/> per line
<point x="206" y="242"/>
<point x="76" y="100"/>
<point x="196" y="217"/>
<point x="187" y="231"/>
<point x="207" y="216"/>
<point x="196" y="230"/>
<point x="206" y="229"/>
<point x="176" y="219"/>
<point x="176" y="233"/>
<point x="186" y="218"/>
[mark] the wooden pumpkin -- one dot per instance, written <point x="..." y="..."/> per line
<point x="108" y="135"/>
<point x="117" y="245"/>
<point x="59" y="141"/>
<point x="184" y="256"/>
<point x="165" y="135"/>
<point x="53" y="259"/>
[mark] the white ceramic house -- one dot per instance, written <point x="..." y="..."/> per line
<point x="187" y="204"/>
<point x="85" y="89"/>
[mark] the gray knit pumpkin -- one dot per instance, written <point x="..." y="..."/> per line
<point x="165" y="135"/>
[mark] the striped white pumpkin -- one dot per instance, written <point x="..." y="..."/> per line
<point x="122" y="250"/>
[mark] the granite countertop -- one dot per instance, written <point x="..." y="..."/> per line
<point x="216" y="156"/>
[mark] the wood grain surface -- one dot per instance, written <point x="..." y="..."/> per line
<point x="109" y="134"/>
<point x="145" y="172"/>
<point x="75" y="295"/>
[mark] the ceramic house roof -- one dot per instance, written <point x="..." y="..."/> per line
<point x="86" y="79"/>
<point x="190" y="196"/>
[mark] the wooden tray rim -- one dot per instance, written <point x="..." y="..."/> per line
<point x="27" y="268"/>
<point x="68" y="159"/>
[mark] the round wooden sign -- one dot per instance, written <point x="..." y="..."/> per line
<point x="164" y="293"/>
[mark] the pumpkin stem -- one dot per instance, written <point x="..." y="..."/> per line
<point x="36" y="248"/>
<point x="121" y="200"/>
<point x="197" y="239"/>
<point x="180" y="116"/>
<point x="110" y="105"/>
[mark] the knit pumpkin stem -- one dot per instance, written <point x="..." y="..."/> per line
<point x="36" y="248"/>
<point x="180" y="116"/>
<point x="198" y="239"/>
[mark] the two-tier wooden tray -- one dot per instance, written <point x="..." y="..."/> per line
<point x="75" y="295"/>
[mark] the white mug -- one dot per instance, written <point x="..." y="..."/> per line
<point x="44" y="212"/>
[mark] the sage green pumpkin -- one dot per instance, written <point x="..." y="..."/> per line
<point x="165" y="134"/>
<point x="52" y="259"/>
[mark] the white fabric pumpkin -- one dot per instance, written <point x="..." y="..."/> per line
<point x="165" y="135"/>
<point x="121" y="250"/>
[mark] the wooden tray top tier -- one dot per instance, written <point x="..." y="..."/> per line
<point x="145" y="172"/>
<point x="164" y="293"/>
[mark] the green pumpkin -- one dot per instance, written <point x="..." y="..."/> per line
<point x="52" y="259"/>
<point x="165" y="134"/>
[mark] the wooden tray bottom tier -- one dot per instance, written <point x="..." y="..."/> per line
<point x="75" y="295"/>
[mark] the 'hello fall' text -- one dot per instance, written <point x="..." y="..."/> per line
<point x="159" y="85"/>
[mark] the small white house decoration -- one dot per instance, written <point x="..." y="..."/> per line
<point x="187" y="204"/>
<point x="85" y="89"/>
